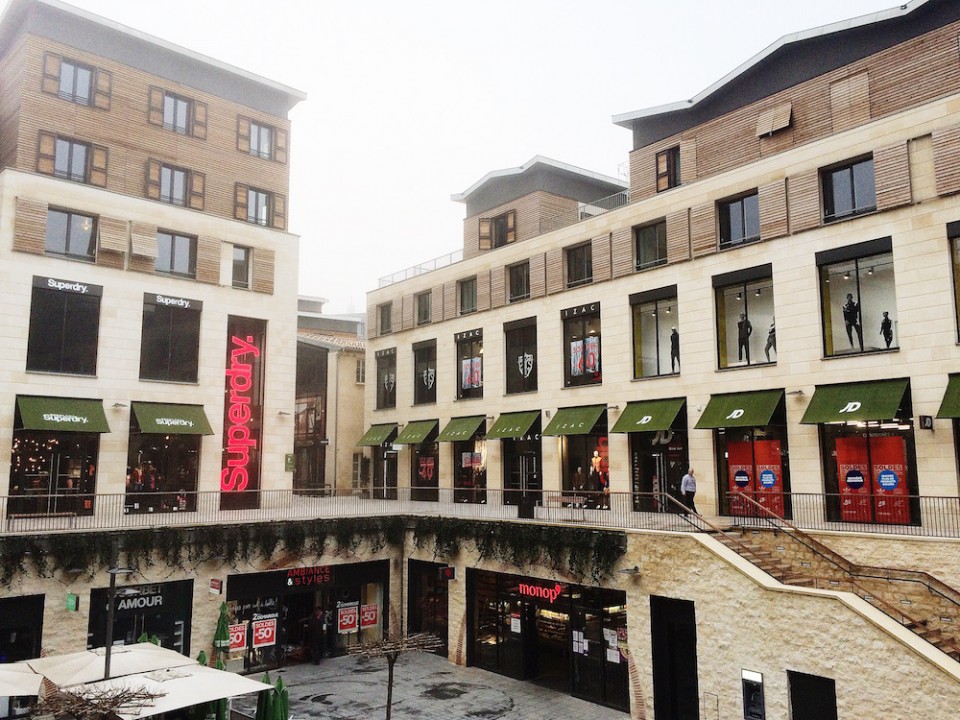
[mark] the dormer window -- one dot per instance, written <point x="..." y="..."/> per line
<point x="498" y="231"/>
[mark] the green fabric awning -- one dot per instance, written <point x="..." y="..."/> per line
<point x="168" y="419"/>
<point x="513" y="425"/>
<point x="950" y="407"/>
<point x="750" y="409"/>
<point x="62" y="414"/>
<point x="855" y="401"/>
<point x="461" y="428"/>
<point x="574" y="421"/>
<point x="415" y="432"/>
<point x="648" y="415"/>
<point x="376" y="435"/>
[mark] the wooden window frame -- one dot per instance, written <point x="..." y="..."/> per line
<point x="498" y="230"/>
<point x="195" y="122"/>
<point x="100" y="84"/>
<point x="385" y="318"/>
<point x="241" y="283"/>
<point x="278" y="139"/>
<point x="668" y="168"/>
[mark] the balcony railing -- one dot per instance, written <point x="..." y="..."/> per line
<point x="928" y="516"/>
<point x="422" y="268"/>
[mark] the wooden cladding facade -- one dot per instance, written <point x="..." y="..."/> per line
<point x="526" y="217"/>
<point x="123" y="126"/>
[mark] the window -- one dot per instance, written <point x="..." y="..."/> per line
<point x="385" y="318"/>
<point x="848" y="190"/>
<point x="386" y="378"/>
<point x="176" y="114"/>
<point x="261" y="140"/>
<point x="357" y="471"/>
<point x="173" y="185"/>
<point x="668" y="168"/>
<point x="70" y="161"/>
<point x="361" y="371"/>
<point x="498" y="231"/>
<point x="71" y="234"/>
<point x="241" y="266"/>
<point x="739" y="220"/>
<point x="656" y="340"/>
<point x="170" y="342"/>
<point x="467" y="290"/>
<point x="258" y="206"/>
<point x="953" y="233"/>
<point x="424" y="312"/>
<point x="857" y="290"/>
<point x="520" y="341"/>
<point x="746" y="329"/>
<point x="64" y="326"/>
<point x="579" y="265"/>
<point x="76" y="82"/>
<point x="469" y="364"/>
<point x="176" y="254"/>
<point x="518" y="277"/>
<point x="650" y="245"/>
<point x="581" y="345"/>
<point x="425" y="372"/>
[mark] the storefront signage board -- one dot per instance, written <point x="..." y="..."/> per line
<point x="369" y="616"/>
<point x="238" y="636"/>
<point x="264" y="632"/>
<point x="348" y="618"/>
<point x="307" y="576"/>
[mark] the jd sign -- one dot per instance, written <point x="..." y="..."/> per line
<point x="645" y="419"/>
<point x="738" y="413"/>
<point x="851" y="406"/>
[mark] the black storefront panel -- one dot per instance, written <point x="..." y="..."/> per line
<point x="164" y="610"/>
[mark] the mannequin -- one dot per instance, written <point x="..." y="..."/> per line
<point x="744" y="331"/>
<point x="771" y="339"/>
<point x="674" y="350"/>
<point x="886" y="328"/>
<point x="851" y="319"/>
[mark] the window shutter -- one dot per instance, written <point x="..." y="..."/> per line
<point x="396" y="314"/>
<point x="850" y="101"/>
<point x="946" y="160"/>
<point x="436" y="304"/>
<point x="773" y="209"/>
<point x="483" y="290"/>
<point x="198" y="183"/>
<point x="280" y="146"/>
<point x="102" y="89"/>
<point x="408" y="303"/>
<point x="243" y="134"/>
<point x="537" y="276"/>
<point x="113" y="235"/>
<point x="678" y="236"/>
<point x="155" y="106"/>
<point x="199" y="120"/>
<point x="511" y="226"/>
<point x="208" y="260"/>
<point x="774" y="118"/>
<point x="279" y="215"/>
<point x="30" y="226"/>
<point x="372" y="321"/>
<point x="497" y="286"/>
<point x="46" y="153"/>
<point x="263" y="271"/>
<point x="51" y="74"/>
<point x="449" y="300"/>
<point x="240" y="202"/>
<point x="703" y="230"/>
<point x="153" y="179"/>
<point x="143" y="240"/>
<point x="98" y="165"/>
<point x="621" y="252"/>
<point x="803" y="205"/>
<point x="600" y="257"/>
<point x="485" y="233"/>
<point x="891" y="168"/>
<point x="554" y="270"/>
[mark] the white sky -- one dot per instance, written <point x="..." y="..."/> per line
<point x="410" y="102"/>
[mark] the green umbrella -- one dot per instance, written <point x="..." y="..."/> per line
<point x="221" y="638"/>
<point x="202" y="658"/>
<point x="265" y="701"/>
<point x="281" y="703"/>
<point x="222" y="707"/>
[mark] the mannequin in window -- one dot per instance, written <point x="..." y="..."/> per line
<point x="674" y="350"/>
<point x="886" y="328"/>
<point x="744" y="331"/>
<point x="771" y="339"/>
<point x="851" y="319"/>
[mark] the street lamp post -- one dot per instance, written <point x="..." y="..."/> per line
<point x="111" y="602"/>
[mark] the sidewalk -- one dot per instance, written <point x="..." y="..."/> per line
<point x="425" y="687"/>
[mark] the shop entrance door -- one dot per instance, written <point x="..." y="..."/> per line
<point x="548" y="647"/>
<point x="385" y="475"/>
<point x="522" y="468"/>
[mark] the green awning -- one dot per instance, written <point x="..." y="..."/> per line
<point x="855" y="401"/>
<point x="415" y="432"/>
<point x="461" y="428"/>
<point x="950" y="407"/>
<point x="62" y="414"/>
<point x="168" y="419"/>
<point x="749" y="409"/>
<point x="574" y="421"/>
<point x="648" y="415"/>
<point x="376" y="435"/>
<point x="513" y="425"/>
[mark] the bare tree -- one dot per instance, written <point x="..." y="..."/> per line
<point x="392" y="648"/>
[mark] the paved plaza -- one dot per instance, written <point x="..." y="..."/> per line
<point x="426" y="687"/>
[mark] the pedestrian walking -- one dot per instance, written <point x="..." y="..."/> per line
<point x="688" y="488"/>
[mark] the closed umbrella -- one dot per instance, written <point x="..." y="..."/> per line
<point x="281" y="703"/>
<point x="202" y="658"/>
<point x="221" y="638"/>
<point x="223" y="712"/>
<point x="265" y="701"/>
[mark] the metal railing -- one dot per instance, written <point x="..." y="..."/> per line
<point x="22" y="514"/>
<point x="421" y="268"/>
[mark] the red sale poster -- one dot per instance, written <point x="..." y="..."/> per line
<point x="888" y="456"/>
<point x="769" y="474"/>
<point x="740" y="466"/>
<point x="853" y="472"/>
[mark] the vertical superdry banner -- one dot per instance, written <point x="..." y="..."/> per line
<point x="740" y="467"/>
<point x="853" y="472"/>
<point x="888" y="458"/>
<point x="769" y="474"/>
<point x="242" y="413"/>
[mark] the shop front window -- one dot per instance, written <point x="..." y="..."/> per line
<point x="470" y="477"/>
<point x="385" y="472"/>
<point x="586" y="466"/>
<point x="427" y="602"/>
<point x="386" y="378"/>
<point x="425" y="372"/>
<point x="425" y="469"/>
<point x="170" y="339"/>
<point x="581" y="345"/>
<point x="746" y="326"/>
<point x="520" y="341"/>
<point x="656" y="340"/>
<point x="469" y="364"/>
<point x="858" y="294"/>
<point x="521" y="459"/>
<point x="64" y="327"/>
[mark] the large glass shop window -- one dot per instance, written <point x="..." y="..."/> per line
<point x="386" y="378"/>
<point x="470" y="474"/>
<point x="425" y="372"/>
<point x="746" y="326"/>
<point x="859" y="300"/>
<point x="656" y="339"/>
<point x="162" y="471"/>
<point x="521" y="355"/>
<point x="469" y="364"/>
<point x="581" y="345"/>
<point x="53" y="472"/>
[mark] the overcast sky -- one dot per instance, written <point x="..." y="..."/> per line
<point x="410" y="102"/>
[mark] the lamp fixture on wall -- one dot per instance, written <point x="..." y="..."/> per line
<point x="282" y="413"/>
<point x="119" y="405"/>
<point x="796" y="392"/>
<point x="635" y="570"/>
